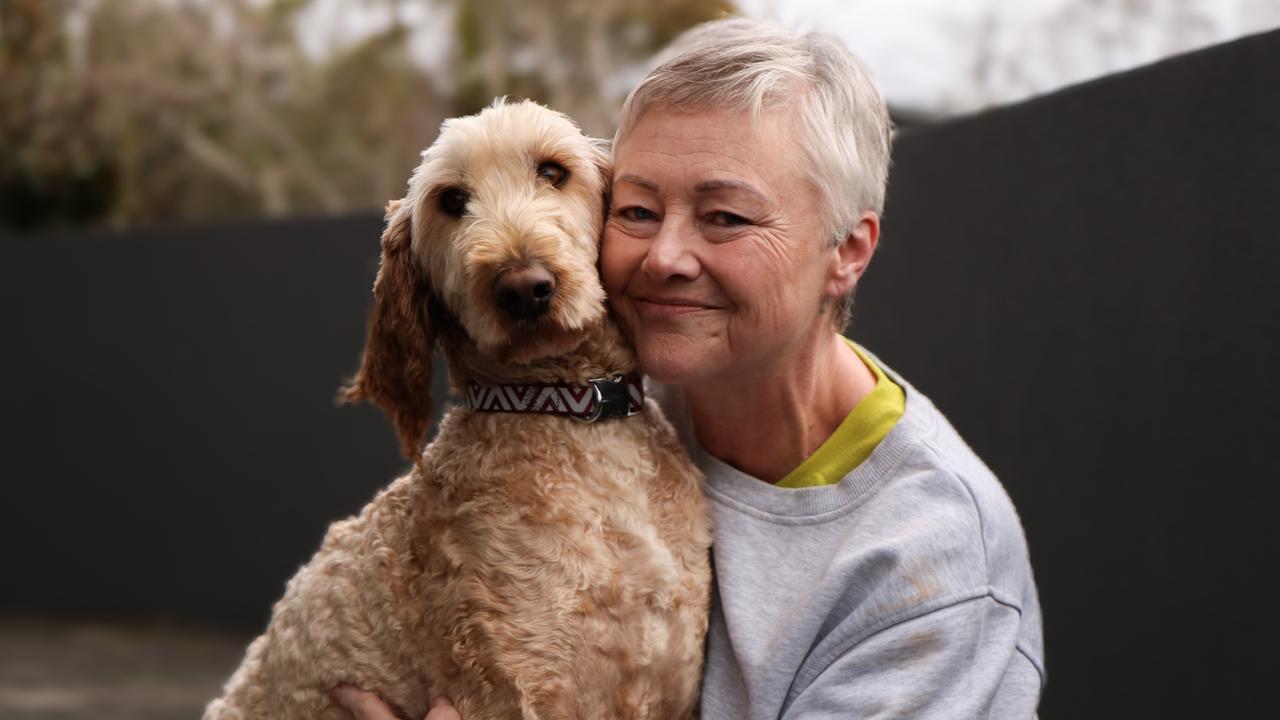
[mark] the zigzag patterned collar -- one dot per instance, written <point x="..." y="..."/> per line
<point x="600" y="398"/>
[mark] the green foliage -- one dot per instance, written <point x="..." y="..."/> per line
<point x="51" y="168"/>
<point x="126" y="112"/>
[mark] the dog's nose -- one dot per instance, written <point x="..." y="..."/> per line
<point x="524" y="293"/>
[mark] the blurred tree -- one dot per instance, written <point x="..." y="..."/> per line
<point x="579" y="56"/>
<point x="50" y="167"/>
<point x="124" y="112"/>
<point x="217" y="112"/>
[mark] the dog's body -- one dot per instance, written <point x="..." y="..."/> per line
<point x="530" y="566"/>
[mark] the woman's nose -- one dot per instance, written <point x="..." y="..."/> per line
<point x="671" y="250"/>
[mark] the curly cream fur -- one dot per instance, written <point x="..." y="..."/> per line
<point x="529" y="566"/>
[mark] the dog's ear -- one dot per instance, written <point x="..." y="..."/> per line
<point x="395" y="371"/>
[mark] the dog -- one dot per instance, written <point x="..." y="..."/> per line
<point x="550" y="563"/>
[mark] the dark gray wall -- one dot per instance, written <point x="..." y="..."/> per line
<point x="171" y="445"/>
<point x="1087" y="285"/>
<point x="1084" y="283"/>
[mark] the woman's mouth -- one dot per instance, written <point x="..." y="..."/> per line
<point x="670" y="306"/>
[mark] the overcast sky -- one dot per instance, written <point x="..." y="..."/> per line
<point x="926" y="54"/>
<point x="934" y="56"/>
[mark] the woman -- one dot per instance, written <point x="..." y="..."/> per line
<point x="867" y="563"/>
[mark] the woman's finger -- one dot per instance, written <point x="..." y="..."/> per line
<point x="442" y="709"/>
<point x="363" y="704"/>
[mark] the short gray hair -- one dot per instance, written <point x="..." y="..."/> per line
<point x="842" y="122"/>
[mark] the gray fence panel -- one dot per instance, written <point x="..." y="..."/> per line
<point x="1087" y="285"/>
<point x="171" y="447"/>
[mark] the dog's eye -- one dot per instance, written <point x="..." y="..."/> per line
<point x="453" y="201"/>
<point x="553" y="172"/>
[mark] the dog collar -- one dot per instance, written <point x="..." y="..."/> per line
<point x="615" y="397"/>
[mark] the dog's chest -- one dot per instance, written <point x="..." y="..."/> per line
<point x="560" y="542"/>
<point x="558" y="564"/>
<point x="570" y="522"/>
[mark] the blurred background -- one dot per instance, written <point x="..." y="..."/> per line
<point x="123" y="113"/>
<point x="1078" y="266"/>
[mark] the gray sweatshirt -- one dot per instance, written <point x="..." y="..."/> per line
<point x="904" y="591"/>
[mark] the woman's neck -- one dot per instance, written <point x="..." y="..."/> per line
<point x="766" y="425"/>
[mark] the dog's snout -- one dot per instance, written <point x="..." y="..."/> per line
<point x="524" y="293"/>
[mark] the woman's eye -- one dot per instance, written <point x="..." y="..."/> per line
<point x="553" y="172"/>
<point x="636" y="214"/>
<point x="728" y="219"/>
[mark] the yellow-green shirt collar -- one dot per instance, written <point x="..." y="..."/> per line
<point x="858" y="434"/>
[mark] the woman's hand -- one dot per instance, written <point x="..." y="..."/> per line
<point x="365" y="705"/>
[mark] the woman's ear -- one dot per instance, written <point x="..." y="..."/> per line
<point x="853" y="254"/>
<point x="395" y="371"/>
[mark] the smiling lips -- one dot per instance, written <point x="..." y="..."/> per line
<point x="670" y="306"/>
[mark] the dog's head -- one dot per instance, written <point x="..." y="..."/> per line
<point x="500" y="229"/>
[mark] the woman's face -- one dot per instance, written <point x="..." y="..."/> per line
<point x="714" y="257"/>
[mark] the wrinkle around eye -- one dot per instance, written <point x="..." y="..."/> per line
<point x="631" y="228"/>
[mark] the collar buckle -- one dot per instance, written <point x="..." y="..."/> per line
<point x="611" y="399"/>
